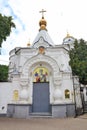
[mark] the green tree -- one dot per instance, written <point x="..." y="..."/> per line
<point x="5" y="27"/>
<point x="3" y="73"/>
<point x="78" y="60"/>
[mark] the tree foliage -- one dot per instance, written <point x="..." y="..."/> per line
<point x="78" y="60"/>
<point x="3" y="73"/>
<point x="5" y="27"/>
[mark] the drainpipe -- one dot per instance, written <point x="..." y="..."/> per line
<point x="74" y="97"/>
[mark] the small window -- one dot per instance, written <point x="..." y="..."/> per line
<point x="81" y="89"/>
<point x="67" y="93"/>
<point x="15" y="95"/>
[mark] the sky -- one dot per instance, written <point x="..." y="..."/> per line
<point x="62" y="16"/>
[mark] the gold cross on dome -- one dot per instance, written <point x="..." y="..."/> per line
<point x="42" y="11"/>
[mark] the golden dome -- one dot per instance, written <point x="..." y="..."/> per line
<point x="28" y="44"/>
<point x="42" y="24"/>
<point x="68" y="35"/>
<point x="68" y="38"/>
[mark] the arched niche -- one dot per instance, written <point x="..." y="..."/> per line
<point x="67" y="94"/>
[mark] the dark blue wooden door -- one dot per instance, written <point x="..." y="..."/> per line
<point x="41" y="97"/>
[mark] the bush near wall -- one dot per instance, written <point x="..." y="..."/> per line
<point x="3" y="73"/>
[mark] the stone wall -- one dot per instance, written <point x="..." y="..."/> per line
<point x="6" y="93"/>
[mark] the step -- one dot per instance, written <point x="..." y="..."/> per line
<point x="38" y="117"/>
<point x="41" y="114"/>
<point x="47" y="115"/>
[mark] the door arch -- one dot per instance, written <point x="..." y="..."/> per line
<point x="40" y="61"/>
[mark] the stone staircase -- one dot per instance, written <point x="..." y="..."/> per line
<point x="40" y="115"/>
<point x="85" y="107"/>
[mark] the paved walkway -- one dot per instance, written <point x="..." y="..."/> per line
<point x="79" y="123"/>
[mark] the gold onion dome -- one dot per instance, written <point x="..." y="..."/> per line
<point x="42" y="24"/>
<point x="28" y="44"/>
<point x="69" y="36"/>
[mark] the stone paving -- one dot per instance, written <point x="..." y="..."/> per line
<point x="78" y="123"/>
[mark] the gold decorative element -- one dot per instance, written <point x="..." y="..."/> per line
<point x="67" y="94"/>
<point x="68" y="35"/>
<point x="15" y="95"/>
<point x="28" y="44"/>
<point x="42" y="22"/>
<point x="41" y="50"/>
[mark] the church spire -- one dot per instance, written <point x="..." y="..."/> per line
<point x="42" y="22"/>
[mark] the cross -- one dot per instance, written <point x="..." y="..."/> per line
<point x="42" y="11"/>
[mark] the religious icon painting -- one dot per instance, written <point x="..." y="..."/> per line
<point x="41" y="50"/>
<point x="41" y="75"/>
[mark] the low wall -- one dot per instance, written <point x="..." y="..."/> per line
<point x="23" y="111"/>
<point x="63" y="110"/>
<point x="6" y="93"/>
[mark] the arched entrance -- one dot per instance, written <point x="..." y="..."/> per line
<point x="41" y="103"/>
<point x="29" y="73"/>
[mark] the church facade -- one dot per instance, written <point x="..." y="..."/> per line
<point x="40" y="79"/>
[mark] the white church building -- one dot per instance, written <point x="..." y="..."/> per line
<point x="40" y="79"/>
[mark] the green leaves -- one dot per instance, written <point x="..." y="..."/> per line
<point x="78" y="60"/>
<point x="5" y="27"/>
<point x="3" y="73"/>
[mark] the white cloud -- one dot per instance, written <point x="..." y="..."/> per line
<point x="61" y="16"/>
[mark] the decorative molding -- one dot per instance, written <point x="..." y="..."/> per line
<point x="37" y="60"/>
<point x="57" y="81"/>
<point x="24" y="83"/>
